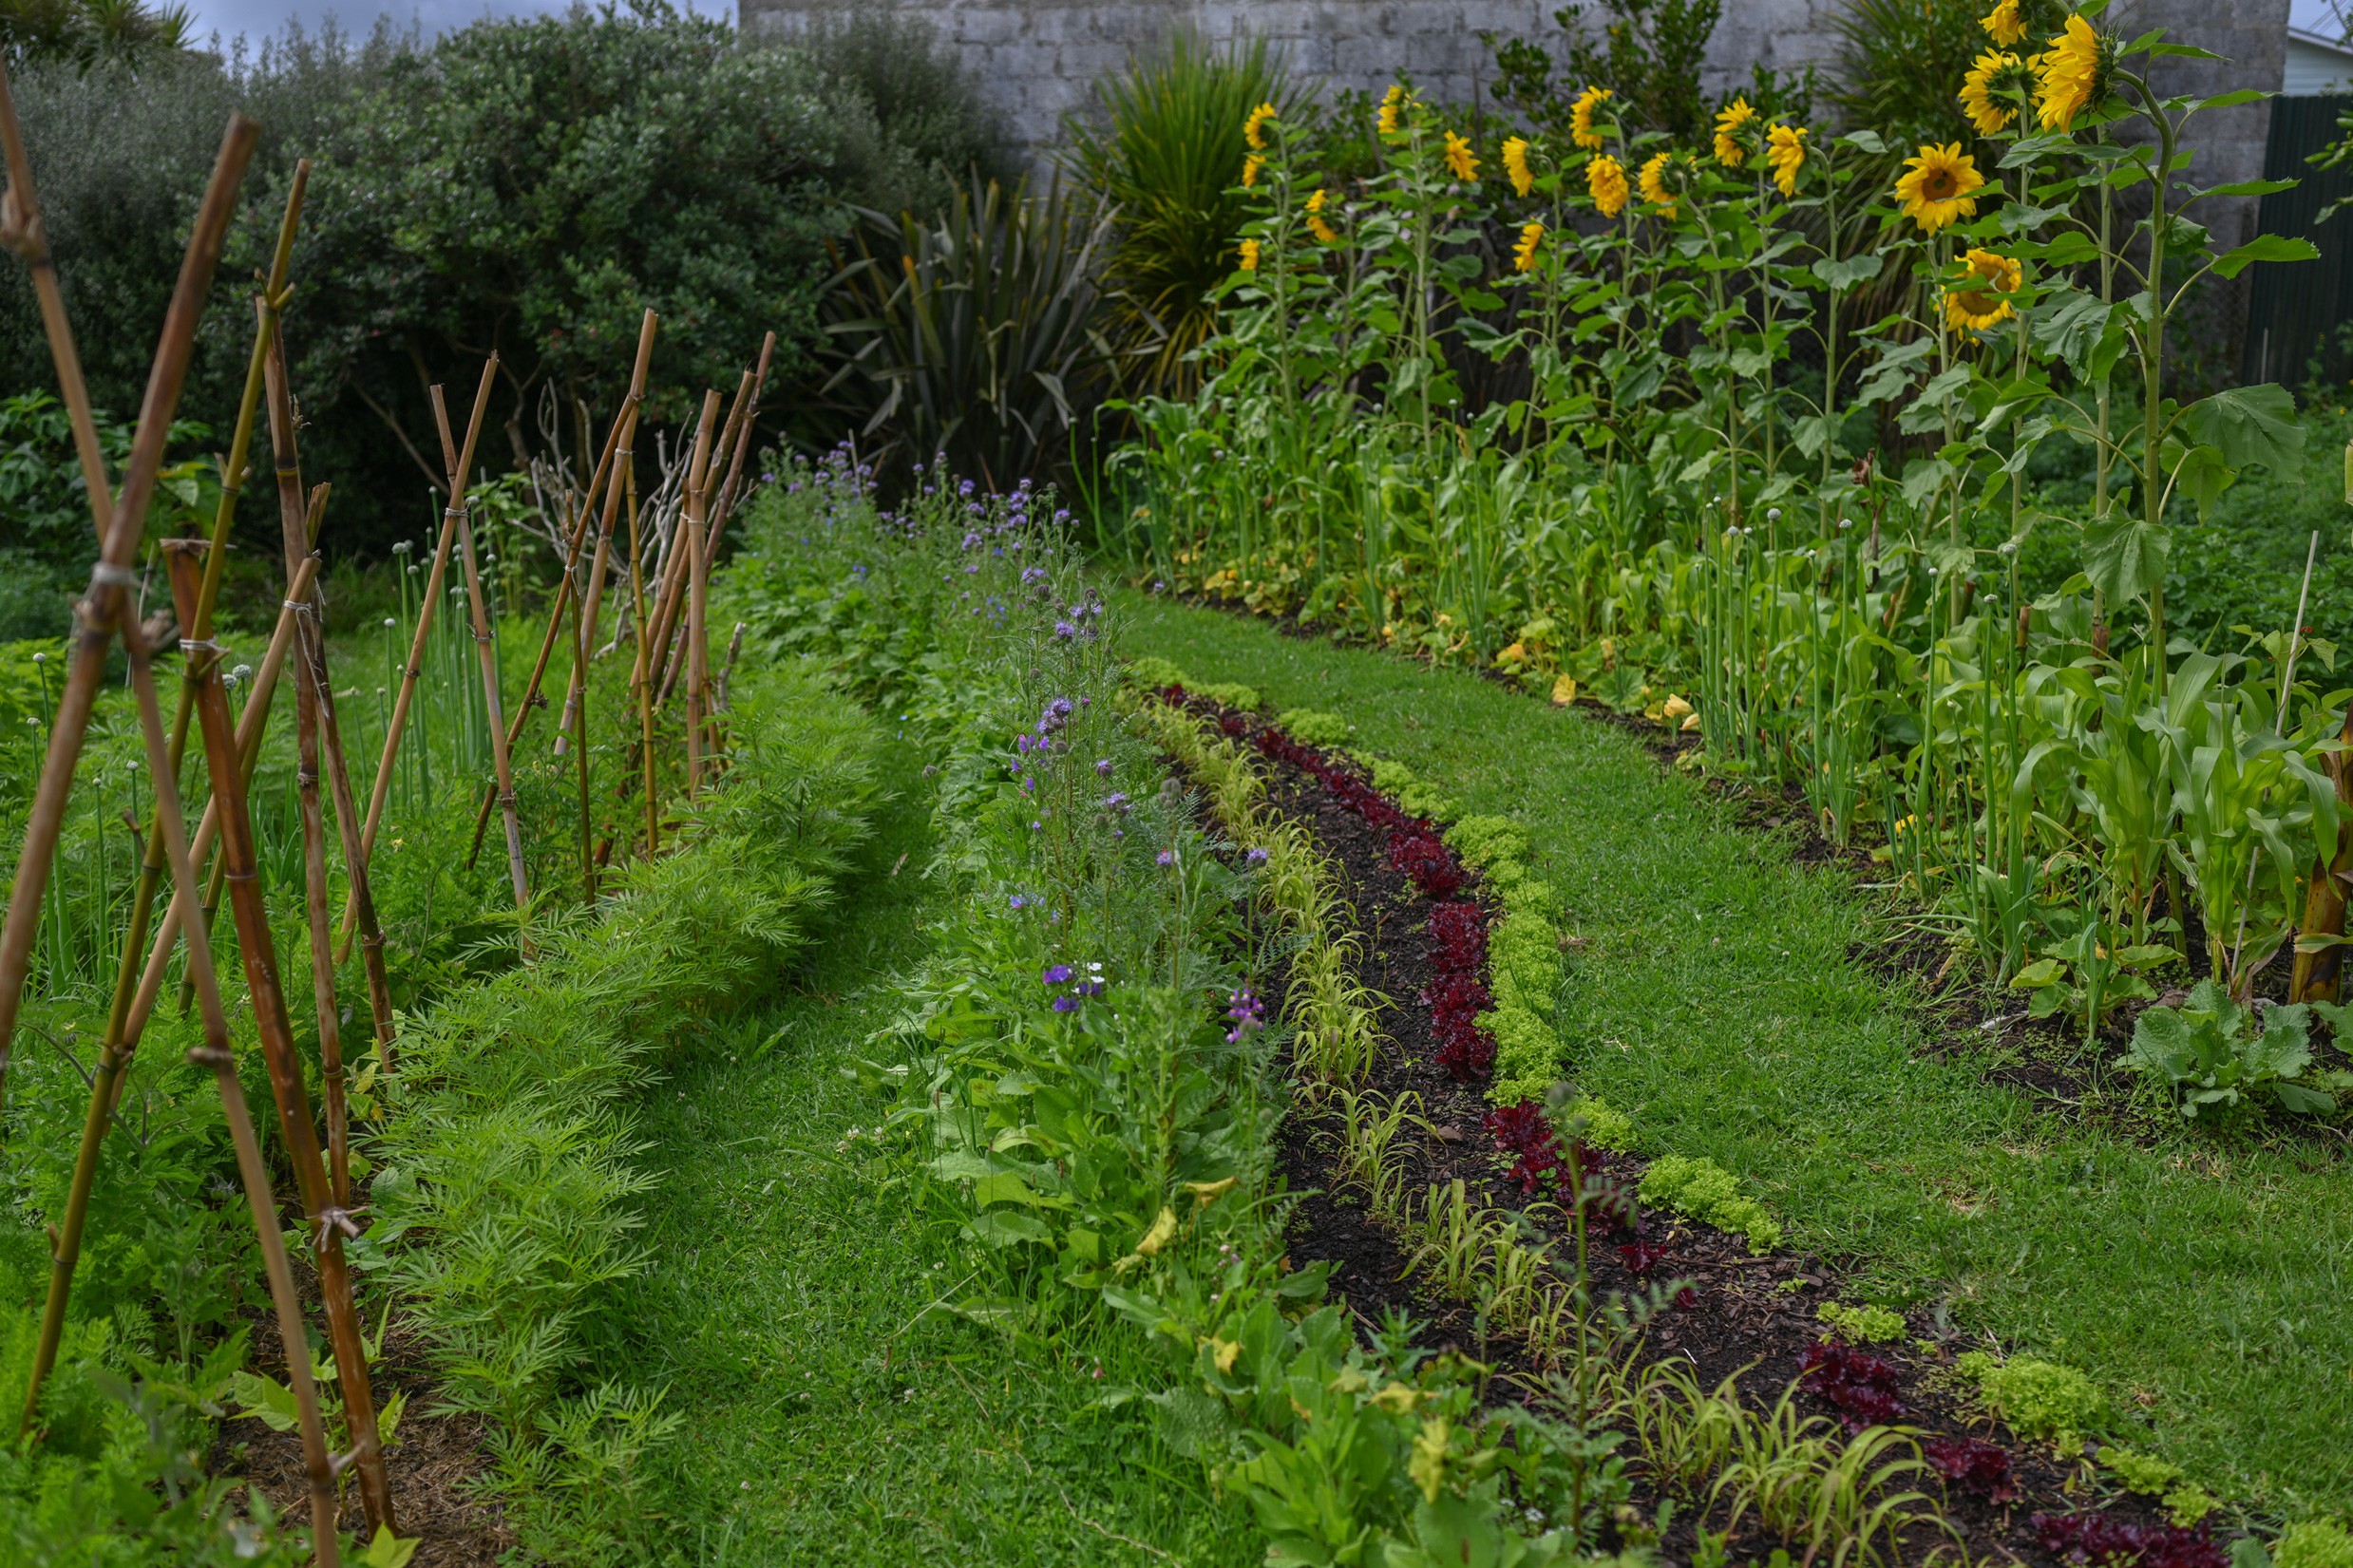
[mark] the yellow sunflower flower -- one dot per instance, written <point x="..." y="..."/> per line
<point x="1975" y="306"/>
<point x="1460" y="161"/>
<point x="1524" y="254"/>
<point x="2070" y="73"/>
<point x="1254" y="128"/>
<point x="1515" y="165"/>
<point x="1249" y="256"/>
<point x="1580" y="117"/>
<point x="1392" y="108"/>
<point x="1937" y="184"/>
<point x="1785" y="149"/>
<point x="1730" y="122"/>
<point x="1250" y="168"/>
<point x="1652" y="182"/>
<point x="2005" y="23"/>
<point x="1976" y="100"/>
<point x="1316" y="225"/>
<point x="1605" y="181"/>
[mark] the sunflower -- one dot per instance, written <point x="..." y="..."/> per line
<point x="1316" y="225"/>
<point x="1977" y="88"/>
<point x="1652" y="182"/>
<point x="1515" y="165"/>
<point x="1460" y="161"/>
<point x="1254" y="128"/>
<point x="2005" y="23"/>
<point x="1977" y="306"/>
<point x="2070" y="72"/>
<point x="1393" y="106"/>
<point x="1524" y="254"/>
<point x="1936" y="185"/>
<point x="1785" y="149"/>
<point x="1580" y="117"/>
<point x="1249" y="256"/>
<point x="1605" y="181"/>
<point x="1250" y="166"/>
<point x="1730" y="122"/>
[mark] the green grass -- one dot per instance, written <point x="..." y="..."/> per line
<point x="834" y="1413"/>
<point x="2203" y="1281"/>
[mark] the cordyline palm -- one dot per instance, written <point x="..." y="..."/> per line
<point x="1166" y="154"/>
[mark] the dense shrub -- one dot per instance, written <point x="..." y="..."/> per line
<point x="526" y="185"/>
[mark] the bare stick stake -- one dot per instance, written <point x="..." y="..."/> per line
<point x="461" y="462"/>
<point x="329" y="1223"/>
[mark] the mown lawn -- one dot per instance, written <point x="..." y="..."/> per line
<point x="835" y="1412"/>
<point x="2206" y="1282"/>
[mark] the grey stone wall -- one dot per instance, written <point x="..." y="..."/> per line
<point x="1039" y="58"/>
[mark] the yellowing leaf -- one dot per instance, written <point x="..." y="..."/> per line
<point x="1207" y="1192"/>
<point x="1158" y="1237"/>
<point x="1565" y="691"/>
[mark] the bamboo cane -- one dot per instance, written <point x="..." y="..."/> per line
<point x="696" y="472"/>
<point x="97" y="617"/>
<point x="414" y="670"/>
<point x="101" y="609"/>
<point x="318" y="1465"/>
<point x="487" y="653"/>
<point x="592" y="595"/>
<point x="330" y="1222"/>
<point x="617" y="441"/>
<point x="251" y="725"/>
<point x="640" y="678"/>
<point x="298" y="524"/>
<point x="702" y="486"/>
<point x="734" y="492"/>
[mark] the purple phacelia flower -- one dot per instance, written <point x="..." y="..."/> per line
<point x="1103" y="768"/>
<point x="1064" y="631"/>
<point x="1167" y="857"/>
<point x="1256" y="857"/>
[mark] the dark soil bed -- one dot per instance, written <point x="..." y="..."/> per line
<point x="434" y="1465"/>
<point x="1755" y="1317"/>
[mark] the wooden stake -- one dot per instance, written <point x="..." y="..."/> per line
<point x="692" y="523"/>
<point x="502" y="766"/>
<point x="118" y="1043"/>
<point x="99" y="612"/>
<point x="615" y="446"/>
<point x="330" y="1222"/>
<point x="640" y="674"/>
<point x="414" y="669"/>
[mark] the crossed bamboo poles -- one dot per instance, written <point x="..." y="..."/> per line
<point x="231" y="750"/>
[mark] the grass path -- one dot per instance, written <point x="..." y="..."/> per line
<point x="830" y="1417"/>
<point x="2207" y="1284"/>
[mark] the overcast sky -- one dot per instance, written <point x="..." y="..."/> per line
<point x="257" y="18"/>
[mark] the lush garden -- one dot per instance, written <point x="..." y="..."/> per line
<point x="1609" y="828"/>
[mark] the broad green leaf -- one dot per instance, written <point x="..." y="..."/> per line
<point x="2252" y="187"/>
<point x="389" y="1551"/>
<point x="2203" y="476"/>
<point x="2249" y="425"/>
<point x="2264" y="248"/>
<point x="1846" y="273"/>
<point x="266" y="1398"/>
<point x="2041" y="973"/>
<point x="2124" y="558"/>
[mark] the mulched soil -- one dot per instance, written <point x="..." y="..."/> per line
<point x="1749" y="1316"/>
<point x="434" y="1465"/>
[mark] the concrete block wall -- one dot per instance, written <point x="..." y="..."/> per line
<point x="1041" y="58"/>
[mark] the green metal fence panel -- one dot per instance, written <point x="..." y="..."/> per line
<point x="2297" y="312"/>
